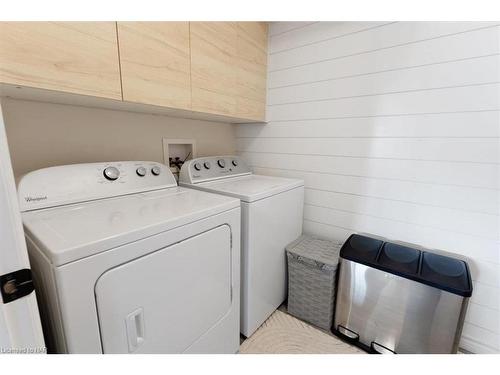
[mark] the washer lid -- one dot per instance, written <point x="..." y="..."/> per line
<point x="252" y="187"/>
<point x="72" y="232"/>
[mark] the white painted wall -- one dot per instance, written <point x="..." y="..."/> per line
<point x="395" y="129"/>
<point x="42" y="135"/>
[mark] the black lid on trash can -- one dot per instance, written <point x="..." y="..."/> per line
<point x="361" y="248"/>
<point x="446" y="273"/>
<point x="399" y="259"/>
<point x="438" y="271"/>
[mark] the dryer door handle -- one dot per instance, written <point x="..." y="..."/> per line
<point x="135" y="329"/>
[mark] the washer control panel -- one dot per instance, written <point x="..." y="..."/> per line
<point x="212" y="168"/>
<point x="74" y="183"/>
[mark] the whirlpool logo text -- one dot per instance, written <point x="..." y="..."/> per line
<point x="35" y="199"/>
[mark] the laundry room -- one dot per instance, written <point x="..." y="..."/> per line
<point x="252" y="186"/>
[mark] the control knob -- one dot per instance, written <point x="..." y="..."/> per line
<point x="111" y="173"/>
<point x="235" y="163"/>
<point x="206" y="164"/>
<point x="156" y="170"/>
<point x="197" y="166"/>
<point x="141" y="171"/>
<point x="221" y="163"/>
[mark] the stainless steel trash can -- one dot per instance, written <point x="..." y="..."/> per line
<point x="396" y="299"/>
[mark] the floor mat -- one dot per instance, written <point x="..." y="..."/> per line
<point x="281" y="333"/>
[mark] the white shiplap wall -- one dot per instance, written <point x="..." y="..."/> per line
<point x="395" y="129"/>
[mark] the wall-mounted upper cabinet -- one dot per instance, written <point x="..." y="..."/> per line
<point x="229" y="67"/>
<point x="76" y="57"/>
<point x="213" y="67"/>
<point x="155" y="63"/>
<point x="203" y="69"/>
<point x="252" y="70"/>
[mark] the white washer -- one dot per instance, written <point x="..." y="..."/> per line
<point x="271" y="212"/>
<point x="126" y="261"/>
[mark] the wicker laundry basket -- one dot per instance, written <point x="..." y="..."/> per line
<point x="312" y="267"/>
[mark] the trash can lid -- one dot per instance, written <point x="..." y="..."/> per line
<point x="399" y="259"/>
<point x="316" y="249"/>
<point x="439" y="271"/>
<point x="361" y="249"/>
<point x="446" y="273"/>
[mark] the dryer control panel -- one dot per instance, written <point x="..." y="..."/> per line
<point x="212" y="168"/>
<point x="66" y="184"/>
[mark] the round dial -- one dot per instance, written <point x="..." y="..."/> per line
<point x="221" y="163"/>
<point x="197" y="166"/>
<point x="207" y="165"/>
<point x="156" y="170"/>
<point x="141" y="171"/>
<point x="235" y="163"/>
<point x="111" y="173"/>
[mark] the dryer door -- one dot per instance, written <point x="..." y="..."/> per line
<point x="165" y="301"/>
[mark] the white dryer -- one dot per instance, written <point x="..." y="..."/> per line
<point x="125" y="261"/>
<point x="271" y="212"/>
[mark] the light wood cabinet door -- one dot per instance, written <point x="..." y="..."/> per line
<point x="213" y="67"/>
<point x="229" y="68"/>
<point x="155" y="63"/>
<point x="76" y="57"/>
<point x="252" y="70"/>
